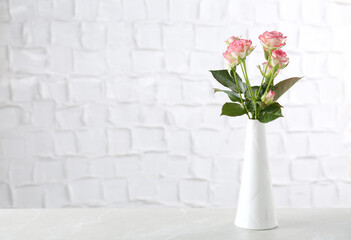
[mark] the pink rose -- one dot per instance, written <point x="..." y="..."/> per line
<point x="239" y="48"/>
<point x="231" y="39"/>
<point x="269" y="71"/>
<point x="268" y="99"/>
<point x="272" y="40"/>
<point x="279" y="58"/>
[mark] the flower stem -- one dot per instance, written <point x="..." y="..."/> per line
<point x="264" y="74"/>
<point x="243" y="69"/>
<point x="265" y="92"/>
<point x="237" y="86"/>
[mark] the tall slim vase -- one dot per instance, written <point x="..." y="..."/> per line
<point x="255" y="208"/>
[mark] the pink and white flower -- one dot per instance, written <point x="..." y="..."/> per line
<point x="268" y="99"/>
<point x="231" y="39"/>
<point x="236" y="50"/>
<point x="280" y="58"/>
<point x="272" y="40"/>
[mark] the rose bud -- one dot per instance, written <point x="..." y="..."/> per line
<point x="268" y="99"/>
<point x="269" y="71"/>
<point x="231" y="39"/>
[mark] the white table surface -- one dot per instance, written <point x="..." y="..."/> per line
<point x="168" y="223"/>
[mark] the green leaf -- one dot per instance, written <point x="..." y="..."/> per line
<point x="250" y="106"/>
<point x="270" y="113"/>
<point x="232" y="109"/>
<point x="241" y="84"/>
<point x="283" y="86"/>
<point x="223" y="77"/>
<point x="234" y="96"/>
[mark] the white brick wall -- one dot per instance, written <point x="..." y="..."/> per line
<point x="110" y="103"/>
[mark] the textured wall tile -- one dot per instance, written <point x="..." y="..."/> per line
<point x="77" y="167"/>
<point x="226" y="170"/>
<point x="262" y="8"/>
<point x="305" y="169"/>
<point x="36" y="33"/>
<point x="13" y="148"/>
<point x="178" y="36"/>
<point x="301" y="195"/>
<point x="10" y="117"/>
<point x="178" y="142"/>
<point x="168" y="192"/>
<point x="65" y="143"/>
<point x="110" y="10"/>
<point x="128" y="165"/>
<point x="88" y="191"/>
<point x="55" y="195"/>
<point x="94" y="35"/>
<point x="336" y="168"/>
<point x="70" y="117"/>
<point x="142" y="187"/>
<point x="176" y="61"/>
<point x="178" y="167"/>
<point x="204" y="144"/>
<point x="92" y="63"/>
<point x="13" y="34"/>
<point x="148" y="35"/>
<point x="290" y="10"/>
<point x="119" y="60"/>
<point x="43" y="113"/>
<point x="324" y="194"/>
<point x="86" y="9"/>
<point x="296" y="144"/>
<point x="103" y="167"/>
<point x="201" y="167"/>
<point x="4" y="10"/>
<point x="134" y="10"/>
<point x="5" y="197"/>
<point x="184" y="10"/>
<point x="40" y="143"/>
<point x="194" y="192"/>
<point x="317" y="16"/>
<point x="148" y="139"/>
<point x="92" y="142"/>
<point x="147" y="61"/>
<point x="224" y="194"/>
<point x="115" y="190"/>
<point x="308" y="35"/>
<point x="124" y="114"/>
<point x="154" y="163"/>
<point x="21" y="173"/>
<point x="49" y="170"/>
<point x="119" y="141"/>
<point x="29" y="196"/>
<point x="85" y="89"/>
<point x="22" y="9"/>
<point x="156" y="9"/>
<point x="60" y="59"/>
<point x="66" y="33"/>
<point x="31" y="60"/>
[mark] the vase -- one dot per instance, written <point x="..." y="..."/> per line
<point x="255" y="207"/>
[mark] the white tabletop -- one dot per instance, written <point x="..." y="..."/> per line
<point x="168" y="223"/>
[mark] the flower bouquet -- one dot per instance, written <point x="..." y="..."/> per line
<point x="257" y="102"/>
<point x="255" y="208"/>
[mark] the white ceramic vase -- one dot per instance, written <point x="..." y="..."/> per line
<point x="255" y="208"/>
